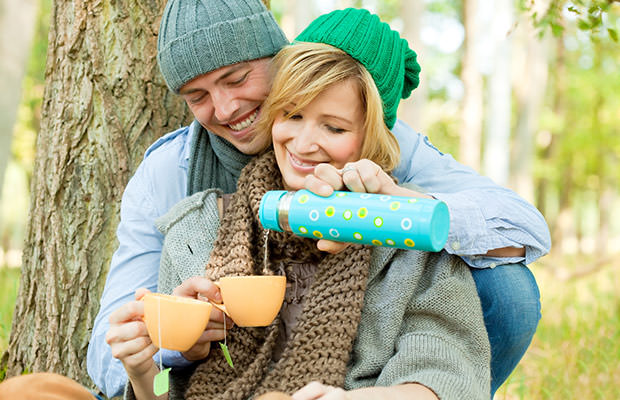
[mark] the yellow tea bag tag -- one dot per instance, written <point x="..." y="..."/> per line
<point x="161" y="382"/>
<point x="227" y="354"/>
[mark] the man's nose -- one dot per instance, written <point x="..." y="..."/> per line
<point x="306" y="139"/>
<point x="225" y="105"/>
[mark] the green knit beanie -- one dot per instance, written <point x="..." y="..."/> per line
<point x="375" y="45"/>
<point x="200" y="36"/>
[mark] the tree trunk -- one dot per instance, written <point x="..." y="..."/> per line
<point x="496" y="152"/>
<point x="104" y="103"/>
<point x="529" y="93"/>
<point x="15" y="16"/>
<point x="470" y="131"/>
<point x="412" y="109"/>
<point x="549" y="152"/>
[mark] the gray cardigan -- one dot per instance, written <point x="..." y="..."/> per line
<point x="421" y="322"/>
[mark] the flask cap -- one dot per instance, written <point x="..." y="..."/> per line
<point x="439" y="227"/>
<point x="268" y="210"/>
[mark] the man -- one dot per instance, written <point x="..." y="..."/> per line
<point x="216" y="55"/>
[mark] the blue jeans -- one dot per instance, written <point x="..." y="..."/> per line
<point x="511" y="305"/>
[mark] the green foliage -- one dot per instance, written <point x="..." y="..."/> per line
<point x="591" y="16"/>
<point x="581" y="116"/>
<point x="9" y="281"/>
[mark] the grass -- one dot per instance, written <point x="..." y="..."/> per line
<point x="9" y="280"/>
<point x="574" y="355"/>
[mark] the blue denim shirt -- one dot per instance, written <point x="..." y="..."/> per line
<point x="483" y="216"/>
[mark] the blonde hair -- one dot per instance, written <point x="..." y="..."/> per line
<point x="302" y="71"/>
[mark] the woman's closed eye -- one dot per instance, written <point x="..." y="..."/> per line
<point x="296" y="116"/>
<point x="334" y="129"/>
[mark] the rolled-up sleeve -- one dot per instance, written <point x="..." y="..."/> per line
<point x="483" y="215"/>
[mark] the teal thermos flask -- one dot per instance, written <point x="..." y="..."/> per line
<point x="364" y="218"/>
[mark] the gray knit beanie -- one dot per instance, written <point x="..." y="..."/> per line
<point x="199" y="36"/>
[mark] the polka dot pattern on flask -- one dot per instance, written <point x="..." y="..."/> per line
<point x="406" y="223"/>
<point x="363" y="218"/>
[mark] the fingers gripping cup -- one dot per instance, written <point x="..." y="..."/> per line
<point x="252" y="301"/>
<point x="173" y="322"/>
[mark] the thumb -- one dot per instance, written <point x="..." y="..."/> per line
<point x="140" y="293"/>
<point x="198" y="285"/>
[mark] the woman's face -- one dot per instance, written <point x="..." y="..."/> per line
<point x="328" y="130"/>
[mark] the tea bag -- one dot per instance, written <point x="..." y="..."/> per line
<point x="161" y="382"/>
<point x="225" y="351"/>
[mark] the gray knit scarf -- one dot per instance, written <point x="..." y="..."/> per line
<point x="213" y="162"/>
<point x="322" y="340"/>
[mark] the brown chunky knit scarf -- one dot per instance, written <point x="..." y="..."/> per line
<point x="322" y="340"/>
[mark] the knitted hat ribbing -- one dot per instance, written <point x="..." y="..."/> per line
<point x="199" y="36"/>
<point x="387" y="56"/>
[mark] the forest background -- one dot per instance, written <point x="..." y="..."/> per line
<point x="525" y="92"/>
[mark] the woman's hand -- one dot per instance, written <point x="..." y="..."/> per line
<point x="317" y="390"/>
<point x="406" y="391"/>
<point x="360" y="176"/>
<point x="128" y="337"/>
<point x="201" y="288"/>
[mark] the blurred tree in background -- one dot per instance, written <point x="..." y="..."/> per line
<point x="562" y="148"/>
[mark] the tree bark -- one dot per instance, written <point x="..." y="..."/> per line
<point x="104" y="103"/>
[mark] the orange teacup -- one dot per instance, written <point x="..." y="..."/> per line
<point x="180" y="320"/>
<point x="253" y="300"/>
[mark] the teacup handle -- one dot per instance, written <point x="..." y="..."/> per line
<point x="220" y="307"/>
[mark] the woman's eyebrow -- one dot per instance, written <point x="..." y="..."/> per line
<point x="338" y="118"/>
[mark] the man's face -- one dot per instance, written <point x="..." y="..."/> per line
<point x="227" y="102"/>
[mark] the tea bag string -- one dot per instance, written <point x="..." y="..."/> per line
<point x="161" y="367"/>
<point x="266" y="251"/>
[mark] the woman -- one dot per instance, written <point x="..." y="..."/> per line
<point x="363" y="323"/>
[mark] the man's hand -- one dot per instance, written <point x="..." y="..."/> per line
<point x="128" y="337"/>
<point x="201" y="288"/>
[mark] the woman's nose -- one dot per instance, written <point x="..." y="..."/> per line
<point x="306" y="139"/>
